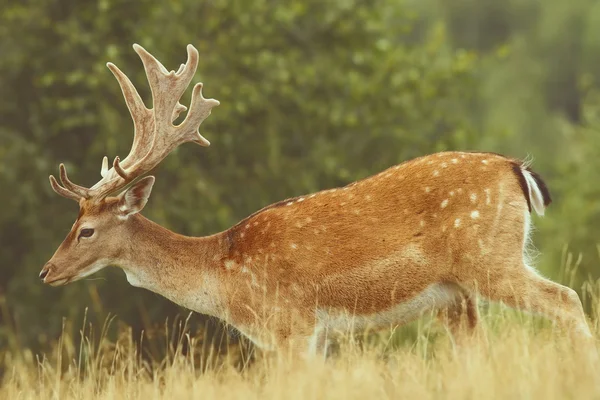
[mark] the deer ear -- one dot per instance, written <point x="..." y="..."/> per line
<point x="135" y="198"/>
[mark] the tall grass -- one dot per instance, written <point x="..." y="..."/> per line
<point x="513" y="355"/>
<point x="510" y="357"/>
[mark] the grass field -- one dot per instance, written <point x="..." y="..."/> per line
<point x="512" y="356"/>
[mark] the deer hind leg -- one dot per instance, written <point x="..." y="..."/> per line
<point x="524" y="289"/>
<point x="460" y="316"/>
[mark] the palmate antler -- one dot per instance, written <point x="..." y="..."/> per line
<point x="155" y="136"/>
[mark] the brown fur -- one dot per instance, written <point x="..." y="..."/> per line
<point x="452" y="219"/>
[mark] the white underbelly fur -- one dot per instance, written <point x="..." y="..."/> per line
<point x="432" y="297"/>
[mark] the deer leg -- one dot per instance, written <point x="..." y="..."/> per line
<point x="461" y="316"/>
<point x="304" y="340"/>
<point x="318" y="343"/>
<point x="305" y="347"/>
<point x="528" y="291"/>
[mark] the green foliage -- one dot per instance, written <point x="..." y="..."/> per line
<point x="313" y="95"/>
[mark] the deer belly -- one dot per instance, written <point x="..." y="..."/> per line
<point x="433" y="297"/>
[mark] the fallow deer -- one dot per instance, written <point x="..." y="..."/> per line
<point x="429" y="234"/>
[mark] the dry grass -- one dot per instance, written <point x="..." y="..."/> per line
<point x="512" y="357"/>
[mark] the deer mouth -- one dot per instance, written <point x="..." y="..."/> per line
<point x="57" y="282"/>
<point x="46" y="277"/>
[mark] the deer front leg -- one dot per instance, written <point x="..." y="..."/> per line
<point x="308" y="343"/>
<point x="460" y="317"/>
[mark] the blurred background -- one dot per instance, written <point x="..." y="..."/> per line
<point x="314" y="94"/>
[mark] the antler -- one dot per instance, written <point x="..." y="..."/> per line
<point x="155" y="136"/>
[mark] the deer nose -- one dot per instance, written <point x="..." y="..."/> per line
<point x="45" y="271"/>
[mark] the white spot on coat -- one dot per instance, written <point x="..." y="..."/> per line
<point x="457" y="222"/>
<point x="444" y="203"/>
<point x="488" y="199"/>
<point x="475" y="214"/>
<point x="229" y="264"/>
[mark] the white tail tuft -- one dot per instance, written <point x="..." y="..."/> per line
<point x="535" y="194"/>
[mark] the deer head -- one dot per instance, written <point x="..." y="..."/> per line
<point x="106" y="210"/>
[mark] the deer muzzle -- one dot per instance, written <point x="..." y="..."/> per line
<point x="46" y="276"/>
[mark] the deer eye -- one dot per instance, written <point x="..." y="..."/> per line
<point x="86" y="233"/>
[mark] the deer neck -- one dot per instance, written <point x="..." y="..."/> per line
<point x="183" y="269"/>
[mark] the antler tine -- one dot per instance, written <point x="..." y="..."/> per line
<point x="179" y="108"/>
<point x="64" y="179"/>
<point x="200" y="109"/>
<point x="142" y="138"/>
<point x="187" y="70"/>
<point x="104" y="168"/>
<point x="135" y="104"/>
<point x="62" y="191"/>
<point x="122" y="173"/>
